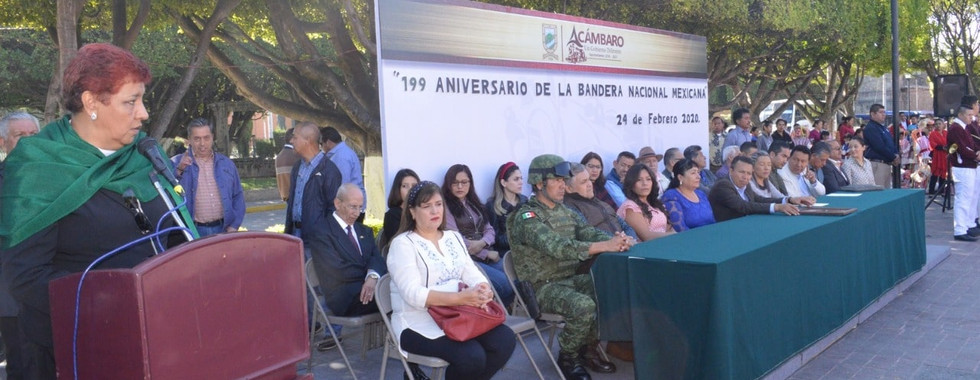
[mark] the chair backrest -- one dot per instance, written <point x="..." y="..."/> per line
<point x="382" y="296"/>
<point x="379" y="238"/>
<point x="311" y="279"/>
<point x="511" y="279"/>
<point x="509" y="268"/>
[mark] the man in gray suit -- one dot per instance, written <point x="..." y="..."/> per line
<point x="731" y="197"/>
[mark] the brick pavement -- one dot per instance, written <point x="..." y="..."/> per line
<point x="932" y="331"/>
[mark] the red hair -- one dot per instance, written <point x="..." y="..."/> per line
<point x="101" y="69"/>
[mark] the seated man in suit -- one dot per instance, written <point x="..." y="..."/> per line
<point x="347" y="262"/>
<point x="833" y="178"/>
<point x="799" y="180"/>
<point x="731" y="197"/>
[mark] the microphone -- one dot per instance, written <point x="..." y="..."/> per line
<point x="148" y="147"/>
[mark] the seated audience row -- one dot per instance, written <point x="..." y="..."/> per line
<point x="542" y="229"/>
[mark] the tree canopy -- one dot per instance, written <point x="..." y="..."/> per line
<point x="315" y="59"/>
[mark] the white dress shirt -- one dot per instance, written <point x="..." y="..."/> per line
<point x="793" y="184"/>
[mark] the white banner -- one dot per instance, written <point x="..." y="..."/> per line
<point x="443" y="107"/>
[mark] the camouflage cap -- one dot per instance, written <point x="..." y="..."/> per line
<point x="547" y="166"/>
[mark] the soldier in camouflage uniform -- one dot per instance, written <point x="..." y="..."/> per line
<point x="549" y="241"/>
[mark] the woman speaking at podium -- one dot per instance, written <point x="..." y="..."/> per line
<point x="78" y="190"/>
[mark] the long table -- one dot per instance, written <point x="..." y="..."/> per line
<point x="735" y="299"/>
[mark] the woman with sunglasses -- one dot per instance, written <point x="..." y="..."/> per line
<point x="79" y="189"/>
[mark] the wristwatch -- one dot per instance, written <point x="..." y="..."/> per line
<point x="373" y="275"/>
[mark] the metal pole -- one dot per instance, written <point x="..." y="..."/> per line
<point x="896" y="170"/>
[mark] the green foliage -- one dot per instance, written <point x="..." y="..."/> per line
<point x="279" y="139"/>
<point x="258" y="183"/>
<point x="265" y="149"/>
<point x="27" y="59"/>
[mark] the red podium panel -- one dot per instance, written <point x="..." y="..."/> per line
<point x="228" y="306"/>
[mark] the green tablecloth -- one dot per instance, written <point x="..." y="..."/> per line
<point x="733" y="300"/>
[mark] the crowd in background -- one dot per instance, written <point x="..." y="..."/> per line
<point x="436" y="238"/>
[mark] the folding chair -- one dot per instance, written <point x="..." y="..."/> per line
<point x="371" y="323"/>
<point x="553" y="320"/>
<point x="522" y="325"/>
<point x="382" y="295"/>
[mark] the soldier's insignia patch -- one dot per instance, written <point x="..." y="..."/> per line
<point x="528" y="215"/>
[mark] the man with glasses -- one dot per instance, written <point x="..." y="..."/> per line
<point x="548" y="242"/>
<point x="831" y="175"/>
<point x="347" y="262"/>
<point x="214" y="192"/>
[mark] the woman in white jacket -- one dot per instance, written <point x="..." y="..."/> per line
<point x="427" y="263"/>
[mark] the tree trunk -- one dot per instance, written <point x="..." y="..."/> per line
<point x="67" y="41"/>
<point x="221" y="12"/>
<point x="53" y="100"/>
<point x="123" y="34"/>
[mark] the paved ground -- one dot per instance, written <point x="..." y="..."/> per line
<point x="932" y="331"/>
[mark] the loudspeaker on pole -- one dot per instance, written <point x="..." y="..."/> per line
<point x="948" y="90"/>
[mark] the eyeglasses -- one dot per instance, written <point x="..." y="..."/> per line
<point x="463" y="183"/>
<point x="354" y="208"/>
<point x="136" y="208"/>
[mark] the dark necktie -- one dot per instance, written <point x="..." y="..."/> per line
<point x="353" y="240"/>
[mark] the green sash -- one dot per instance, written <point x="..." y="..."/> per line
<point x="53" y="173"/>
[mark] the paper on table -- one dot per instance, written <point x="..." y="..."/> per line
<point x="820" y="204"/>
<point x="844" y="195"/>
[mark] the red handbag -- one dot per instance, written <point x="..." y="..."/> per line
<point x="462" y="323"/>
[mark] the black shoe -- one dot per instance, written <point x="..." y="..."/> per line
<point x="593" y="359"/>
<point x="973" y="231"/>
<point x="327" y="344"/>
<point x="571" y="367"/>
<point x="965" y="237"/>
<point x="416" y="372"/>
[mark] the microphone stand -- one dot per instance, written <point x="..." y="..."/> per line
<point x="170" y="205"/>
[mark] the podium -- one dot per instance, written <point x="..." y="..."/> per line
<point x="228" y="306"/>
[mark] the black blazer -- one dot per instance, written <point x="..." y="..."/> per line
<point x="726" y="204"/>
<point x="318" y="195"/>
<point x="338" y="264"/>
<point x="833" y="178"/>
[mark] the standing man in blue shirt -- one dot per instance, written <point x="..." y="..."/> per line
<point x="214" y="191"/>
<point x="343" y="156"/>
<point x="741" y="134"/>
<point x="881" y="151"/>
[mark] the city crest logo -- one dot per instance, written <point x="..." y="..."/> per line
<point x="549" y="39"/>
<point x="576" y="52"/>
